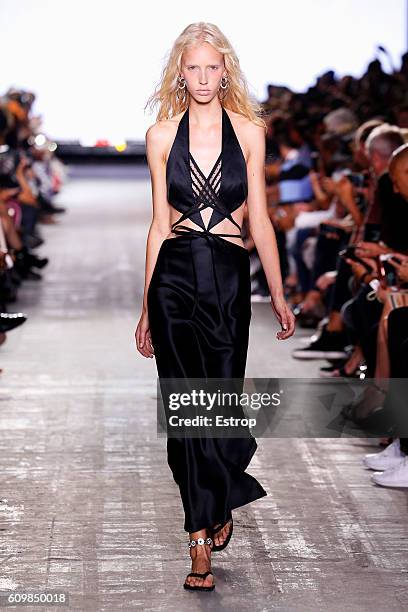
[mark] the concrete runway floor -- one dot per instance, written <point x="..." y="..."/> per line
<point x="88" y="505"/>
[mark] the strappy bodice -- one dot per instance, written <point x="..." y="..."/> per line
<point x="189" y="191"/>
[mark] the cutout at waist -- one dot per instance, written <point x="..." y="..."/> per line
<point x="183" y="230"/>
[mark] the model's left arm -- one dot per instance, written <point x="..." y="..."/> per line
<point x="262" y="230"/>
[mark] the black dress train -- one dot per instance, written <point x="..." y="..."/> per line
<point x="199" y="308"/>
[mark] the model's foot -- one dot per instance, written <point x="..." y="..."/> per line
<point x="221" y="535"/>
<point x="200" y="562"/>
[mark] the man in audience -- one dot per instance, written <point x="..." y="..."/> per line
<point x="333" y="340"/>
<point x="391" y="464"/>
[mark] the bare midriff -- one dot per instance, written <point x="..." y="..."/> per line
<point x="223" y="227"/>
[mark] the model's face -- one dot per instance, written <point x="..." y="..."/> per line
<point x="203" y="68"/>
<point x="400" y="178"/>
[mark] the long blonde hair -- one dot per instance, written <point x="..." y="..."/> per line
<point x="237" y="98"/>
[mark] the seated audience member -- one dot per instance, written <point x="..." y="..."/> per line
<point x="333" y="340"/>
<point x="29" y="179"/>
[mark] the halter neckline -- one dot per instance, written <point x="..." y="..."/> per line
<point x="189" y="191"/>
<point x="206" y="178"/>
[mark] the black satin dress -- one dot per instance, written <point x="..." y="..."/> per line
<point x="199" y="307"/>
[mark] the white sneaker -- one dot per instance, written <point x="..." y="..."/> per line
<point x="396" y="476"/>
<point x="387" y="458"/>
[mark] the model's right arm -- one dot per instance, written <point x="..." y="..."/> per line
<point x="156" y="146"/>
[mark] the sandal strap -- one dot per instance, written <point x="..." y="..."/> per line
<point x="197" y="575"/>
<point x="199" y="541"/>
<point x="219" y="527"/>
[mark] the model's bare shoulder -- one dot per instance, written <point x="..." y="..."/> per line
<point x="160" y="136"/>
<point x="253" y="131"/>
<point x="255" y="140"/>
<point x="249" y="134"/>
<point x="238" y="121"/>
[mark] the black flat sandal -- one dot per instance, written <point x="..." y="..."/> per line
<point x="191" y="544"/>
<point x="216" y="548"/>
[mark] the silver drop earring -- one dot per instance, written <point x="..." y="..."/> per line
<point x="224" y="83"/>
<point x="182" y="87"/>
<point x="223" y="86"/>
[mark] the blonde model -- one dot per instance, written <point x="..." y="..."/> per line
<point x="206" y="155"/>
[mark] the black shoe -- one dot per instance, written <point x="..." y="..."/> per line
<point x="362" y="409"/>
<point x="47" y="206"/>
<point x="10" y="320"/>
<point x="327" y="371"/>
<point x="329" y="345"/>
<point x="57" y="209"/>
<point x="50" y="209"/>
<point x="198" y="587"/>
<point x="31" y="275"/>
<point x="33" y="241"/>
<point x="25" y="261"/>
<point x="216" y="548"/>
<point x="200" y="542"/>
<point x="37" y="262"/>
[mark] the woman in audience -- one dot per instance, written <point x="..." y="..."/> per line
<point x="27" y="177"/>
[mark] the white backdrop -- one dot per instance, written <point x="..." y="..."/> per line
<point x="93" y="63"/>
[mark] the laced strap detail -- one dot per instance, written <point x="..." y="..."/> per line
<point x="206" y="194"/>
